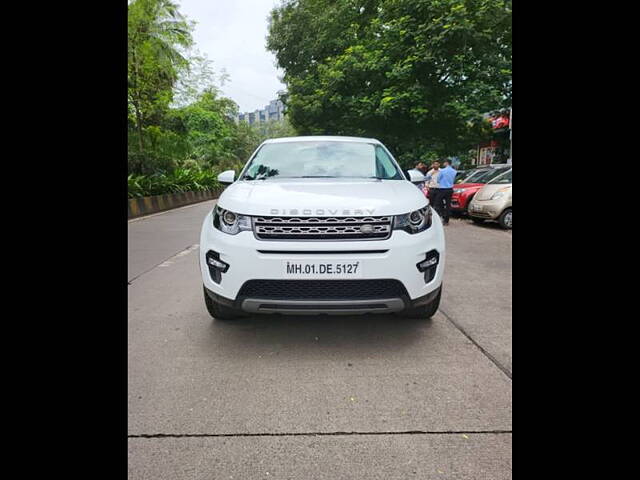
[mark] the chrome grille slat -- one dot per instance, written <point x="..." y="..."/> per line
<point x="325" y="220"/>
<point x="322" y="228"/>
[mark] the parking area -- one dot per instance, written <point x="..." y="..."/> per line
<point x="376" y="397"/>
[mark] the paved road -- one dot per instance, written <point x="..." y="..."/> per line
<point x="372" y="397"/>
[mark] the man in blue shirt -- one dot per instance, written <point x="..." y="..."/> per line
<point x="441" y="196"/>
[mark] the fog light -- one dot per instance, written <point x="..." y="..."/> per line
<point x="429" y="265"/>
<point x="216" y="266"/>
<point x="422" y="266"/>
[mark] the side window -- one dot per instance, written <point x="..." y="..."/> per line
<point x="384" y="165"/>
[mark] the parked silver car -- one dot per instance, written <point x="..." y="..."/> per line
<point x="493" y="201"/>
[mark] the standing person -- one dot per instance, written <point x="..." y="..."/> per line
<point x="432" y="182"/>
<point x="446" y="177"/>
<point x="422" y="168"/>
<point x="435" y="195"/>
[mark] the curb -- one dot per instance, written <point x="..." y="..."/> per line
<point x="140" y="206"/>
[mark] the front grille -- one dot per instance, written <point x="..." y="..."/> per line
<point x="322" y="228"/>
<point x="322" y="289"/>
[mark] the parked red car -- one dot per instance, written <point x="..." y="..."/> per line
<point x="464" y="192"/>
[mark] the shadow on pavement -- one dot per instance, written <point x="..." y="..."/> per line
<point x="489" y="225"/>
<point x="311" y="335"/>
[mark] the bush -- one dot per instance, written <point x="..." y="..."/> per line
<point x="179" y="181"/>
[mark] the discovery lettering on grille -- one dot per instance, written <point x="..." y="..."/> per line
<point x="321" y="211"/>
<point x="322" y="228"/>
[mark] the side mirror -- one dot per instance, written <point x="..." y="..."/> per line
<point x="416" y="176"/>
<point x="227" y="177"/>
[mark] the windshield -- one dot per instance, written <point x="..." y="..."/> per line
<point x="505" y="178"/>
<point x="490" y="174"/>
<point x="461" y="176"/>
<point x="466" y="176"/>
<point x="477" y="175"/>
<point x="322" y="159"/>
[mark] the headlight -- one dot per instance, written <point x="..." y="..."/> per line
<point x="459" y="190"/>
<point x="500" y="193"/>
<point x="414" y="222"/>
<point x="229" y="222"/>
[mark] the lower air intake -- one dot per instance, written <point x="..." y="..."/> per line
<point x="323" y="289"/>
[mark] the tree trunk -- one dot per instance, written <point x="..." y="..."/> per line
<point x="138" y="125"/>
<point x="136" y="102"/>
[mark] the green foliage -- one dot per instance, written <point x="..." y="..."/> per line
<point x="164" y="149"/>
<point x="208" y="128"/>
<point x="157" y="33"/>
<point x="178" y="181"/>
<point x="274" y="129"/>
<point x="195" y="79"/>
<point x="177" y="120"/>
<point x="245" y="140"/>
<point x="416" y="74"/>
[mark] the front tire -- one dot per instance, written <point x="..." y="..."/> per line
<point x="219" y="311"/>
<point x="505" y="219"/>
<point x="424" y="311"/>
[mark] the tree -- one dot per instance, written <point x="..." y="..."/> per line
<point x="274" y="129"/>
<point x="209" y="128"/>
<point x="417" y="74"/>
<point x="177" y="116"/>
<point x="246" y="139"/>
<point x="196" y="78"/>
<point x="156" y="34"/>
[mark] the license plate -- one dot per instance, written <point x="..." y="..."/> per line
<point x="476" y="208"/>
<point x="329" y="269"/>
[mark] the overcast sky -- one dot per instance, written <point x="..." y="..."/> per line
<point x="232" y="33"/>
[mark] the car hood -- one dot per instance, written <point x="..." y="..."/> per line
<point x="486" y="192"/>
<point x="322" y="197"/>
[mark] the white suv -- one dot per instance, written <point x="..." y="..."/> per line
<point x="321" y="225"/>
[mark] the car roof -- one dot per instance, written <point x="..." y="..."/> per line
<point x="494" y="166"/>
<point x="322" y="138"/>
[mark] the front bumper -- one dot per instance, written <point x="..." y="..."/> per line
<point x="335" y="307"/>
<point x="394" y="258"/>
<point x="460" y="201"/>
<point x="456" y="203"/>
<point x="489" y="209"/>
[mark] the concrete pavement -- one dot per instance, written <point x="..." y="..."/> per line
<point x="317" y="397"/>
<point x="156" y="238"/>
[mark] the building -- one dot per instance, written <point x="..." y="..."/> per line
<point x="498" y="149"/>
<point x="272" y="112"/>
